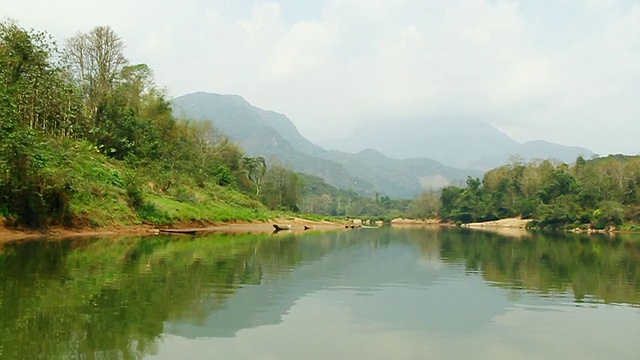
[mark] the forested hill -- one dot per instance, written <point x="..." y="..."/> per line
<point x="89" y="140"/>
<point x="274" y="137"/>
<point x="266" y="134"/>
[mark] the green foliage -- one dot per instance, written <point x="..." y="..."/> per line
<point x="89" y="140"/>
<point x="598" y="193"/>
<point x="281" y="189"/>
<point x="609" y="213"/>
<point x="223" y="176"/>
<point x="29" y="190"/>
<point x="321" y="198"/>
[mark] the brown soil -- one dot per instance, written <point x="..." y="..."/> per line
<point x="400" y="221"/>
<point x="297" y="225"/>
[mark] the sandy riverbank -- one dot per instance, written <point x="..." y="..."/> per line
<point x="297" y="225"/>
<point x="511" y="227"/>
<point x="401" y="221"/>
<point x="511" y="223"/>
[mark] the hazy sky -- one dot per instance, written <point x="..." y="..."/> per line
<point x="566" y="71"/>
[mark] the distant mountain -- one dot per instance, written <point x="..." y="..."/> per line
<point x="240" y="120"/>
<point x="455" y="142"/>
<point x="400" y="178"/>
<point x="268" y="134"/>
<point x="274" y="136"/>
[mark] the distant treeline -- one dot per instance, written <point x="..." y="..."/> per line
<point x="597" y="193"/>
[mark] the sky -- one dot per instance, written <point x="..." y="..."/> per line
<point x="565" y="71"/>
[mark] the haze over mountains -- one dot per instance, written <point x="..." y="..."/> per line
<point x="395" y="158"/>
<point x="458" y="142"/>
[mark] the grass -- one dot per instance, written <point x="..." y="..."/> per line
<point x="169" y="210"/>
<point x="98" y="197"/>
<point x="107" y="192"/>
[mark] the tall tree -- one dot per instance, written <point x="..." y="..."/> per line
<point x="96" y="60"/>
<point x="282" y="188"/>
<point x="38" y="87"/>
<point x="256" y="168"/>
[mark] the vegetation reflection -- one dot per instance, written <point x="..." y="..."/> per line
<point x="600" y="268"/>
<point x="110" y="298"/>
<point x="101" y="298"/>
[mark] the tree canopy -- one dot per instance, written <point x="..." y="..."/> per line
<point x="596" y="193"/>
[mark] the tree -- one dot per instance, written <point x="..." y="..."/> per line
<point x="558" y="182"/>
<point x="31" y="91"/>
<point x="609" y="213"/>
<point x="426" y="205"/>
<point x="282" y="188"/>
<point x="450" y="198"/>
<point x="256" y="168"/>
<point x="38" y="88"/>
<point x="96" y="60"/>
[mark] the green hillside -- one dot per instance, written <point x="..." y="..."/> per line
<point x="89" y="140"/>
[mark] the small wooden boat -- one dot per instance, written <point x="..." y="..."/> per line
<point x="279" y="227"/>
<point x="180" y="231"/>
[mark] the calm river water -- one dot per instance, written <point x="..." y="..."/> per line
<point x="359" y="294"/>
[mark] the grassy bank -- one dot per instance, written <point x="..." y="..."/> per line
<point x="102" y="192"/>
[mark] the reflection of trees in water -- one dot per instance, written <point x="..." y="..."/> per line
<point x="111" y="298"/>
<point x="589" y="266"/>
<point x="605" y="267"/>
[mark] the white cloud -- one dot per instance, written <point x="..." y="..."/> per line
<point x="305" y="48"/>
<point x="566" y="71"/>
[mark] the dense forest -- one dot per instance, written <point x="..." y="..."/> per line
<point x="88" y="138"/>
<point x="599" y="193"/>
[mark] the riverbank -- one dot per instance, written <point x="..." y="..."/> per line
<point x="414" y="222"/>
<point x="509" y="223"/>
<point x="511" y="227"/>
<point x="297" y="225"/>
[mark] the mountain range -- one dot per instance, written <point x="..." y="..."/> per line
<point x="458" y="142"/>
<point x="398" y="159"/>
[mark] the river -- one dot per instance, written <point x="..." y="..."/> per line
<point x="389" y="293"/>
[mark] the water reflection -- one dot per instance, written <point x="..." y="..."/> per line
<point x="133" y="297"/>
